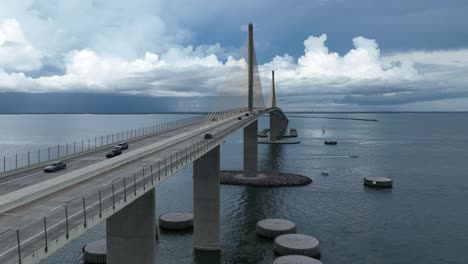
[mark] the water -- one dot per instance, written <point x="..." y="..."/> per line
<point x="423" y="219"/>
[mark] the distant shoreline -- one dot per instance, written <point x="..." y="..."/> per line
<point x="200" y="113"/>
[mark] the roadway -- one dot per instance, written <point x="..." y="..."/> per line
<point x="22" y="179"/>
<point x="29" y="217"/>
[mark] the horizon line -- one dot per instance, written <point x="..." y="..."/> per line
<point x="203" y="112"/>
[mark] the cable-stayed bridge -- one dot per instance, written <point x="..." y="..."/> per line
<point x="40" y="212"/>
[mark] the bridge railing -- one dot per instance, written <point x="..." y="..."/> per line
<point x="33" y="242"/>
<point x="68" y="150"/>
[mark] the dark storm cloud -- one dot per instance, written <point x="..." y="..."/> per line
<point x="372" y="52"/>
<point x="282" y="25"/>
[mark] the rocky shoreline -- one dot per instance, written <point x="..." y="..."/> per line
<point x="273" y="179"/>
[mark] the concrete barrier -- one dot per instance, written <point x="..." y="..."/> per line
<point x="39" y="190"/>
<point x="82" y="153"/>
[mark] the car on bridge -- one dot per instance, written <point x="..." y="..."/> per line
<point x="114" y="152"/>
<point x="123" y="145"/>
<point x="117" y="148"/>
<point x="53" y="167"/>
<point x="208" y="136"/>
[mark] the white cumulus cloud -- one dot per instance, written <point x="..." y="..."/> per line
<point x="16" y="52"/>
<point x="139" y="48"/>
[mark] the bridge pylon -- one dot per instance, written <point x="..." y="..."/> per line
<point x="250" y="68"/>
<point x="250" y="131"/>
<point x="273" y="92"/>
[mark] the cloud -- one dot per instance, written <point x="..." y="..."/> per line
<point x="142" y="48"/>
<point x="363" y="77"/>
<point x="316" y="80"/>
<point x="186" y="71"/>
<point x="361" y="64"/>
<point x="16" y="52"/>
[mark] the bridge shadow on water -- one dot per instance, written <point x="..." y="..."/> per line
<point x="204" y="257"/>
<point x="271" y="159"/>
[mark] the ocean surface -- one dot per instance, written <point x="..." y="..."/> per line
<point x="423" y="219"/>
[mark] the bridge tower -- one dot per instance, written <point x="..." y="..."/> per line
<point x="251" y="131"/>
<point x="250" y="67"/>
<point x="273" y="92"/>
<point x="278" y="122"/>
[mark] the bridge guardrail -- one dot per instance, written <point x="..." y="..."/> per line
<point x="14" y="163"/>
<point x="31" y="243"/>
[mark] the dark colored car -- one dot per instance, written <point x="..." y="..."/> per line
<point x="208" y="136"/>
<point x="55" y="167"/>
<point x="246" y="114"/>
<point x="113" y="153"/>
<point x="330" y="142"/>
<point x="123" y="145"/>
<point x="239" y="118"/>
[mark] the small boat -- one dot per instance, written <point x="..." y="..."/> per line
<point x="324" y="173"/>
<point x="330" y="142"/>
<point x="353" y="156"/>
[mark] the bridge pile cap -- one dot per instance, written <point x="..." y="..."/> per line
<point x="297" y="244"/>
<point x="378" y="182"/>
<point x="296" y="259"/>
<point x="271" y="228"/>
<point x="95" y="252"/>
<point x="176" y="220"/>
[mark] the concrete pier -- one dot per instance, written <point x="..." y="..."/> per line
<point x="176" y="220"/>
<point x="251" y="150"/>
<point x="131" y="232"/>
<point x="273" y="227"/>
<point x="297" y="244"/>
<point x="206" y="201"/>
<point x="380" y="182"/>
<point x="296" y="259"/>
<point x="278" y="125"/>
<point x="95" y="252"/>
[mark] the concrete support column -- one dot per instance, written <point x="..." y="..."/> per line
<point x="278" y="125"/>
<point x="131" y="232"/>
<point x="251" y="149"/>
<point x="206" y="201"/>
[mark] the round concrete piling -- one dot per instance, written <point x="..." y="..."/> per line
<point x="297" y="244"/>
<point x="271" y="228"/>
<point x="380" y="182"/>
<point x="176" y="220"/>
<point x="95" y="252"/>
<point x="296" y="259"/>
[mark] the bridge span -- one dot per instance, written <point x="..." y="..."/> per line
<point x="40" y="213"/>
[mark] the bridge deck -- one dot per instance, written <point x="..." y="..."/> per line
<point x="22" y="179"/>
<point x="29" y="217"/>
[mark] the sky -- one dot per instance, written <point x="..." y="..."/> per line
<point x="328" y="55"/>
